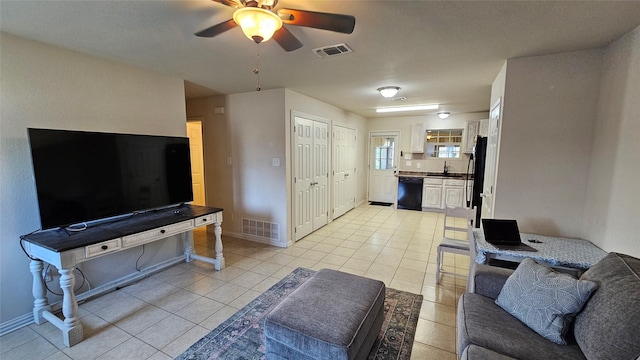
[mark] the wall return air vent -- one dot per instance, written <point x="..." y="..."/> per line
<point x="333" y="50"/>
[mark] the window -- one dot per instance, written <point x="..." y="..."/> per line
<point x="384" y="153"/>
<point x="444" y="144"/>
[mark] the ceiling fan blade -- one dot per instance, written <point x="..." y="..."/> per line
<point x="325" y="21"/>
<point x="286" y="39"/>
<point x="217" y="29"/>
<point x="232" y="3"/>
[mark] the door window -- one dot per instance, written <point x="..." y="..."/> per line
<point x="384" y="153"/>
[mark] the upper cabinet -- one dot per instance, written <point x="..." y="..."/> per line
<point x="471" y="132"/>
<point x="418" y="132"/>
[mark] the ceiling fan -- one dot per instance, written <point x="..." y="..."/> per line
<point x="260" y="22"/>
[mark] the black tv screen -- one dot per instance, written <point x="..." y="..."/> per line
<point x="85" y="176"/>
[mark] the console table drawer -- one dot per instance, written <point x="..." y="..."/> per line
<point x="159" y="233"/>
<point x="204" y="220"/>
<point x="102" y="248"/>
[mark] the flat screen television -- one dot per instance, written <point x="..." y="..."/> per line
<point x="85" y="176"/>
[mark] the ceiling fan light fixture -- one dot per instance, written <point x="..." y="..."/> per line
<point x="444" y="114"/>
<point x="388" y="91"/>
<point x="407" y="108"/>
<point x="257" y="24"/>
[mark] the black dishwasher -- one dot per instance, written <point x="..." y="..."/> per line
<point x="410" y="193"/>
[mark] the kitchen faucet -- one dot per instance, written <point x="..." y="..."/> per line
<point x="445" y="171"/>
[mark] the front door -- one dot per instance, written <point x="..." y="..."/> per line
<point x="344" y="169"/>
<point x="382" y="167"/>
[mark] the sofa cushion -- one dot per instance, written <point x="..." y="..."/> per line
<point x="544" y="300"/>
<point x="474" y="352"/>
<point x="609" y="325"/>
<point x="483" y="323"/>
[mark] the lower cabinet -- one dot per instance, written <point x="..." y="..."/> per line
<point x="453" y="193"/>
<point x="438" y="193"/>
<point x="432" y="193"/>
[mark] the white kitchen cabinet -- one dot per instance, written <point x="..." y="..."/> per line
<point x="432" y="193"/>
<point x="453" y="193"/>
<point x="418" y="133"/>
<point x="471" y="132"/>
<point x="438" y="192"/>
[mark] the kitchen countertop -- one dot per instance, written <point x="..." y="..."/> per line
<point x="419" y="174"/>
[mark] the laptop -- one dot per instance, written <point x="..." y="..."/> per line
<point x="504" y="234"/>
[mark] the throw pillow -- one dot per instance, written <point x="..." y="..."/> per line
<point x="544" y="300"/>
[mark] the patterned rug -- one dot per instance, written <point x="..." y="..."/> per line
<point x="242" y="337"/>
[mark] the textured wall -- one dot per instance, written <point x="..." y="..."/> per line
<point x="49" y="87"/>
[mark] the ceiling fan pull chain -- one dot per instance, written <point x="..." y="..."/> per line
<point x="257" y="69"/>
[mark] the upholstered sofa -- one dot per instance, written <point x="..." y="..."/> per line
<point x="606" y="327"/>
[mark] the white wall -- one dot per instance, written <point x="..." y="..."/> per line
<point x="404" y="125"/>
<point x="613" y="202"/>
<point x="45" y="86"/>
<point x="302" y="103"/>
<point x="548" y="115"/>
<point x="255" y="129"/>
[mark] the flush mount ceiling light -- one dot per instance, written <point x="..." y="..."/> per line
<point x="256" y="23"/>
<point x="388" y="91"/>
<point x="444" y="114"/>
<point x="407" y="108"/>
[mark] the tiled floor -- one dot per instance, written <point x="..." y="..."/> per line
<point x="157" y="319"/>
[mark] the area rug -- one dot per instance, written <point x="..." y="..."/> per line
<point x="242" y="336"/>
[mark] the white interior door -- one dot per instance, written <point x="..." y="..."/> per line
<point x="344" y="168"/>
<point x="194" y="132"/>
<point x="491" y="160"/>
<point x="320" y="174"/>
<point x="382" y="167"/>
<point x="310" y="171"/>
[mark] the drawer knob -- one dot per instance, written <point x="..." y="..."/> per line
<point x="104" y="247"/>
<point x="204" y="220"/>
<point x="162" y="231"/>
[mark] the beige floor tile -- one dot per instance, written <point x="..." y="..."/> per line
<point x="313" y="255"/>
<point x="130" y="349"/>
<point x="218" y="317"/>
<point x="422" y="351"/>
<point x="227" y="293"/>
<point x="182" y="343"/>
<point x="438" y="313"/>
<point x="199" y="310"/>
<point x="437" y="335"/>
<point x="36" y="348"/>
<point x="204" y="286"/>
<point x="142" y="319"/>
<point x="165" y="331"/>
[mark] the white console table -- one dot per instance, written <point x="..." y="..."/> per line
<point x="65" y="250"/>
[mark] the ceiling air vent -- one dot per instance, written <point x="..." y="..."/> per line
<point x="333" y="50"/>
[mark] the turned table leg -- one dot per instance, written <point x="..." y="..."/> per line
<point x="72" y="328"/>
<point x="40" y="302"/>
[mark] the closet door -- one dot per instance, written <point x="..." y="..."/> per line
<point x="344" y="168"/>
<point x="310" y="169"/>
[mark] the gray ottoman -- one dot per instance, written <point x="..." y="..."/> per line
<point x="333" y="315"/>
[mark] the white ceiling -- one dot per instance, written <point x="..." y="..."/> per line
<point x="445" y="52"/>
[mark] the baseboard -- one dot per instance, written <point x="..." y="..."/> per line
<point x="254" y="239"/>
<point x="56" y="307"/>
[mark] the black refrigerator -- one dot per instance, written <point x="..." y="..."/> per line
<point x="477" y="159"/>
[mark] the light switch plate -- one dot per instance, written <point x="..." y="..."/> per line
<point x="275" y="162"/>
